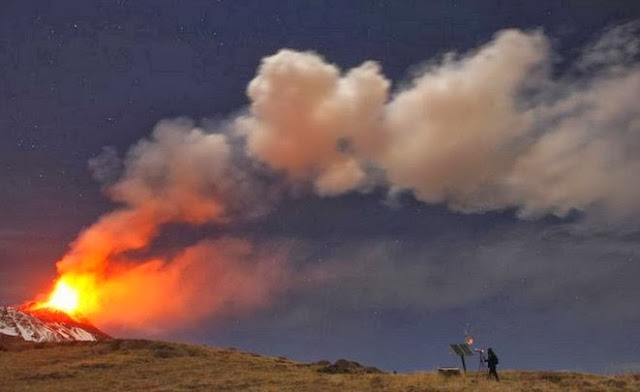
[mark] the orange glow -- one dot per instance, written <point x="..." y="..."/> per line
<point x="72" y="294"/>
<point x="211" y="277"/>
<point x="64" y="297"/>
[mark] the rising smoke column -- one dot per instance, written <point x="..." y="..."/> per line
<point x="169" y="178"/>
<point x="485" y="130"/>
<point x="181" y="174"/>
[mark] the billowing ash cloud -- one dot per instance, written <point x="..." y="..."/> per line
<point x="176" y="176"/>
<point x="455" y="133"/>
<point x="185" y="175"/>
<point x="489" y="129"/>
<point x="314" y="123"/>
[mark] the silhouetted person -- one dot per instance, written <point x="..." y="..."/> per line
<point x="492" y="361"/>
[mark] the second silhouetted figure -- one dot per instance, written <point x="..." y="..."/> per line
<point x="492" y="362"/>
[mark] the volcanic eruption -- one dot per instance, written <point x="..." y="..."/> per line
<point x="55" y="320"/>
<point x="487" y="130"/>
<point x="64" y="298"/>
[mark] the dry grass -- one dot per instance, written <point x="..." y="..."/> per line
<point x="134" y="365"/>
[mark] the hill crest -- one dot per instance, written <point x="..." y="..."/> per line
<point x="162" y="366"/>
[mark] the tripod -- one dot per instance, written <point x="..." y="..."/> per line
<point x="482" y="361"/>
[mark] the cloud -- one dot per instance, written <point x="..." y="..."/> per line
<point x="302" y="109"/>
<point x="585" y="158"/>
<point x="173" y="177"/>
<point x="454" y="133"/>
<point x="177" y="174"/>
<point x="556" y="269"/>
<point x="487" y="130"/>
<point x="618" y="46"/>
<point x="181" y="174"/>
<point x="106" y="166"/>
<point x="491" y="129"/>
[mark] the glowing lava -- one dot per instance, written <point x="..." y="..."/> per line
<point x="64" y="297"/>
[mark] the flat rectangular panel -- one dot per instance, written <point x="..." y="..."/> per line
<point x="456" y="349"/>
<point x="461" y="349"/>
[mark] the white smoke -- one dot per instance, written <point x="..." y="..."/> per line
<point x="490" y="129"/>
<point x="303" y="109"/>
<point x="454" y="133"/>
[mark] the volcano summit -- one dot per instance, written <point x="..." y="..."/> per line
<point x="46" y="325"/>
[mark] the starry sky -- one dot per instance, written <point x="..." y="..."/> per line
<point x="385" y="277"/>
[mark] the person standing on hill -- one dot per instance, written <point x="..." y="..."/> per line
<point x="492" y="362"/>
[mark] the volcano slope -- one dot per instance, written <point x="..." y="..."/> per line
<point x="133" y="365"/>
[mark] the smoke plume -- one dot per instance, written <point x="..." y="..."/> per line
<point x="313" y="123"/>
<point x="181" y="174"/>
<point x="490" y="129"/>
<point x="494" y="128"/>
<point x="221" y="277"/>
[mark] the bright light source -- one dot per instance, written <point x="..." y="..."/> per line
<point x="64" y="297"/>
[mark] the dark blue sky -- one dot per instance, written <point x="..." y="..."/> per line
<point x="410" y="277"/>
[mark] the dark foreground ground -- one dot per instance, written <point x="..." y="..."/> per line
<point x="134" y="365"/>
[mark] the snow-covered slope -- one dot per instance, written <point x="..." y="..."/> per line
<point x="46" y="325"/>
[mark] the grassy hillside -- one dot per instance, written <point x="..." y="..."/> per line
<point x="134" y="365"/>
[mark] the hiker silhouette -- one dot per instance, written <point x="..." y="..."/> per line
<point x="492" y="362"/>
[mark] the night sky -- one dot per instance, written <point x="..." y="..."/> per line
<point x="388" y="277"/>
